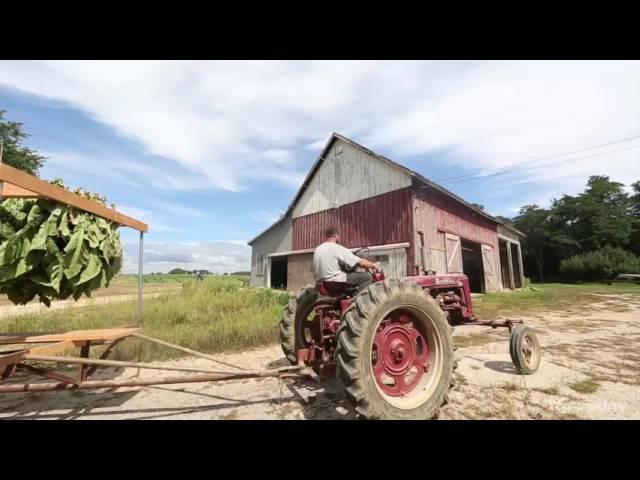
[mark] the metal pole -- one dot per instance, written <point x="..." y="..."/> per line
<point x="139" y="313"/>
<point x="141" y="247"/>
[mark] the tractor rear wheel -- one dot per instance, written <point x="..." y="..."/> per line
<point x="395" y="352"/>
<point x="294" y="315"/>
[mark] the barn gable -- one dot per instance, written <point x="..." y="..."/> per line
<point x="348" y="174"/>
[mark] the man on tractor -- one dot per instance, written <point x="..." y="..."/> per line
<point x="334" y="263"/>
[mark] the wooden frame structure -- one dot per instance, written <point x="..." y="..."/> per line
<point x="85" y="339"/>
<point x="43" y="348"/>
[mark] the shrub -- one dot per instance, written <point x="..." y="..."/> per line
<point x="599" y="265"/>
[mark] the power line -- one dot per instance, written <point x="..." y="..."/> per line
<point x="541" y="166"/>
<point x="537" y="160"/>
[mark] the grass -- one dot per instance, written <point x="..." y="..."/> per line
<point x="217" y="314"/>
<point x="511" y="386"/>
<point x="546" y="297"/>
<point x="548" y="390"/>
<point x="462" y="341"/>
<point x="585" y="386"/>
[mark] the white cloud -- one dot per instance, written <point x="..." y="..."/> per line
<point x="146" y="216"/>
<point x="227" y="123"/>
<point x="217" y="257"/>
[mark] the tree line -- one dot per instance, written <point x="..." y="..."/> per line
<point x="588" y="236"/>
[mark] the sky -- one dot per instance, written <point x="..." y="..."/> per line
<point x="210" y="153"/>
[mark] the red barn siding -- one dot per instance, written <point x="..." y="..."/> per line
<point x="436" y="213"/>
<point x="379" y="220"/>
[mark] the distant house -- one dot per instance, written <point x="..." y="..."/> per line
<point x="411" y="225"/>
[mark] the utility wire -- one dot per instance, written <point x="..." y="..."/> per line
<point x="473" y="175"/>
<point x="462" y="180"/>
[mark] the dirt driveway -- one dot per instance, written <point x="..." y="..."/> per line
<point x="590" y="369"/>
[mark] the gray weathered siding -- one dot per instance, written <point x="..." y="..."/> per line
<point x="348" y="175"/>
<point x="516" y="260"/>
<point x="278" y="239"/>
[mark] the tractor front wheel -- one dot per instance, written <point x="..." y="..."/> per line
<point x="524" y="348"/>
<point x="395" y="352"/>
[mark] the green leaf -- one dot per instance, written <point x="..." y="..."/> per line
<point x="47" y="252"/>
<point x="39" y="241"/>
<point x="55" y="272"/>
<point x="91" y="270"/>
<point x="35" y="215"/>
<point x="63" y="225"/>
<point x="76" y="254"/>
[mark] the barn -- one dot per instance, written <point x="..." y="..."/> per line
<point x="410" y="224"/>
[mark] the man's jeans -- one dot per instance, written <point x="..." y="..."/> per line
<point x="361" y="279"/>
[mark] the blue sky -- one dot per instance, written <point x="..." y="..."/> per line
<point x="210" y="153"/>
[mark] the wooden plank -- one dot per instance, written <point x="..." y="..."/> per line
<point x="52" y="349"/>
<point x="454" y="253"/>
<point x="99" y="335"/>
<point x="12" y="358"/>
<point x="47" y="374"/>
<point x="488" y="263"/>
<point x="46" y="189"/>
<point x="10" y="190"/>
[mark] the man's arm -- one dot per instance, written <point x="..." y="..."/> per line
<point x="352" y="260"/>
<point x="367" y="264"/>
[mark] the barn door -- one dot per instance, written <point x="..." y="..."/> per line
<point x="489" y="265"/>
<point x="454" y="253"/>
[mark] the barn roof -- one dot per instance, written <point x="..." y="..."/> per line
<point x="415" y="175"/>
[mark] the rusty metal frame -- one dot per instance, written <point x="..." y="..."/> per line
<point x="85" y="339"/>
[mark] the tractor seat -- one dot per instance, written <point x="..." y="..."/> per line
<point x="337" y="289"/>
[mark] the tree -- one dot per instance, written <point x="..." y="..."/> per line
<point x="634" y="201"/>
<point x="14" y="153"/>
<point x="534" y="222"/>
<point x="178" y="271"/>
<point x="478" y="206"/>
<point x="593" y="219"/>
<point x="505" y="220"/>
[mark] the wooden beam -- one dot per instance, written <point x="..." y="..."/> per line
<point x="10" y="190"/>
<point x="11" y="358"/>
<point x="47" y="374"/>
<point x="42" y="188"/>
<point x="52" y="349"/>
<point x="99" y="335"/>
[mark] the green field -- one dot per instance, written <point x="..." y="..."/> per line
<point x="546" y="297"/>
<point x="214" y="315"/>
<point x="221" y="313"/>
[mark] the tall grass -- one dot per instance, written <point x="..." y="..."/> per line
<point x="217" y="314"/>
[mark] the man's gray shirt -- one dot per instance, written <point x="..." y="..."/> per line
<point x="327" y="259"/>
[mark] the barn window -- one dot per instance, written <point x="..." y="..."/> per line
<point x="260" y="264"/>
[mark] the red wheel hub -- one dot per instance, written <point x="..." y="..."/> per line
<point x="400" y="354"/>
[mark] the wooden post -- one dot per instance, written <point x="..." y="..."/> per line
<point x="521" y="265"/>
<point x="510" y="259"/>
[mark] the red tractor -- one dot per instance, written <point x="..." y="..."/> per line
<point x="391" y="344"/>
